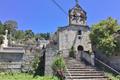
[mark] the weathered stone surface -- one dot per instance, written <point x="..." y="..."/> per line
<point x="7" y="57"/>
<point x="14" y="59"/>
<point x="49" y="58"/>
<point x="75" y="34"/>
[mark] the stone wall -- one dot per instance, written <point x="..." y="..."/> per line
<point x="11" y="57"/>
<point x="11" y="61"/>
<point x="15" y="59"/>
<point x="113" y="61"/>
<point x="69" y="37"/>
<point x="49" y="58"/>
<point x="10" y="66"/>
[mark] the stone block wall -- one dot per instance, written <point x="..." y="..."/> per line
<point x="49" y="58"/>
<point x="11" y="57"/>
<point x="113" y="61"/>
<point x="10" y="61"/>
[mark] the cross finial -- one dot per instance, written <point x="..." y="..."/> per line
<point x="77" y="1"/>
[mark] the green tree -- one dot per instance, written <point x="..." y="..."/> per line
<point x="2" y="31"/>
<point x="1" y="40"/>
<point x="11" y="26"/>
<point x="59" y="68"/>
<point x="45" y="35"/>
<point x="29" y="34"/>
<point x="102" y="36"/>
<point x="19" y="35"/>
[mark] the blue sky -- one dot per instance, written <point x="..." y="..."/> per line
<point x="45" y="16"/>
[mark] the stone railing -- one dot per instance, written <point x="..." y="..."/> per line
<point x="12" y="50"/>
<point x="113" y="61"/>
<point x="49" y="58"/>
<point x="88" y="58"/>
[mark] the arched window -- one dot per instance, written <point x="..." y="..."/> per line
<point x="79" y="32"/>
<point x="80" y="48"/>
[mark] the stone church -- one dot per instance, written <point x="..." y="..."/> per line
<point x="76" y="33"/>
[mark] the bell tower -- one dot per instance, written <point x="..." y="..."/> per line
<point x="77" y="16"/>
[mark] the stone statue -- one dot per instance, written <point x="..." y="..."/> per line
<point x="5" y="42"/>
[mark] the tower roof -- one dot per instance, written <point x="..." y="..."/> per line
<point x="78" y="7"/>
<point x="77" y="15"/>
<point x="77" y="4"/>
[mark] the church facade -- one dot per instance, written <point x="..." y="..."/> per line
<point x="76" y="34"/>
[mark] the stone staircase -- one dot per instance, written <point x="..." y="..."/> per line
<point x="77" y="70"/>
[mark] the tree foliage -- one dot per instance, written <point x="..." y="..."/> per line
<point x="11" y="26"/>
<point x="46" y="36"/>
<point x="2" y="30"/>
<point x="20" y="36"/>
<point x="29" y="34"/>
<point x="1" y="40"/>
<point x="102" y="36"/>
<point x="58" y="64"/>
<point x="58" y="67"/>
<point x="35" y="63"/>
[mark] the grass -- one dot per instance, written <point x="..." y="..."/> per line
<point x="24" y="76"/>
<point x="113" y="77"/>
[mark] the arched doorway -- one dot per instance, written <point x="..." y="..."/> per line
<point x="80" y="48"/>
<point x="80" y="52"/>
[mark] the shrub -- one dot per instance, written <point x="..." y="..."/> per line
<point x="58" y="64"/>
<point x="112" y="76"/>
<point x="59" y="68"/>
<point x="35" y="63"/>
<point x="118" y="76"/>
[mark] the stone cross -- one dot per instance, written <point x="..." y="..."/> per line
<point x="6" y="33"/>
<point x="77" y="1"/>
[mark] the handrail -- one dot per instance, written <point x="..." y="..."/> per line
<point x="107" y="66"/>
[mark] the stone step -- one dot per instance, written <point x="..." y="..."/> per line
<point x="85" y="77"/>
<point x="89" y="79"/>
<point x="74" y="63"/>
<point x="75" y="66"/>
<point x="84" y="74"/>
<point x="89" y="72"/>
<point x="81" y="69"/>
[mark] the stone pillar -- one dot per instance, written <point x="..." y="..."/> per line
<point x="78" y="55"/>
<point x="49" y="58"/>
<point x="92" y="59"/>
